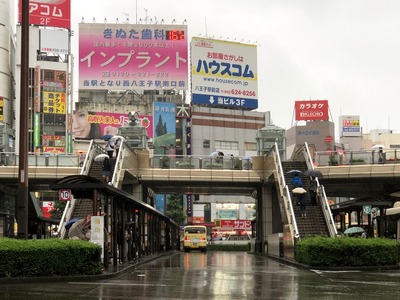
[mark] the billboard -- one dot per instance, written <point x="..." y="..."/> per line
<point x="164" y="127"/>
<point x="224" y="74"/>
<point x="93" y="125"/>
<point x="54" y="102"/>
<point x="54" y="41"/>
<point x="312" y="110"/>
<point x="54" y="13"/>
<point x="349" y="126"/>
<point x="133" y="56"/>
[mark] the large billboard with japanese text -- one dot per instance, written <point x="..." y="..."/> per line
<point x="94" y="125"/>
<point x="312" y="110"/>
<point x="54" y="13"/>
<point x="349" y="126"/>
<point x="224" y="74"/>
<point x="133" y="56"/>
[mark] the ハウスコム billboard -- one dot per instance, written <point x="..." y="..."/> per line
<point x="224" y="74"/>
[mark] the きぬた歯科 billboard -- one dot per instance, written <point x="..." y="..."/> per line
<point x="224" y="74"/>
<point x="133" y="56"/>
<point x="312" y="110"/>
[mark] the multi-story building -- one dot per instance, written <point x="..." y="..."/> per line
<point x="7" y="76"/>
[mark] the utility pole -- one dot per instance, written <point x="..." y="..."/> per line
<point x="23" y="180"/>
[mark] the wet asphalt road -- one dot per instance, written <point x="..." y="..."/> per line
<point x="217" y="275"/>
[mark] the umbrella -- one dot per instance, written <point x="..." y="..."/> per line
<point x="313" y="173"/>
<point x="294" y="172"/>
<point x="116" y="137"/>
<point x="70" y="222"/>
<point x="299" y="190"/>
<point x="355" y="229"/>
<point x="101" y="157"/>
<point x="106" y="137"/>
<point x="378" y="147"/>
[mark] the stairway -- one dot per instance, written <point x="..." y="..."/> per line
<point x="84" y="207"/>
<point x="314" y="223"/>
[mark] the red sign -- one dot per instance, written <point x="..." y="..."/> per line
<point x="54" y="13"/>
<point x="65" y="195"/>
<point x="236" y="224"/>
<point x="312" y="110"/>
<point x="328" y="139"/>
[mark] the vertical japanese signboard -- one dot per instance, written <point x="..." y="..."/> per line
<point x="164" y="127"/>
<point x="224" y="74"/>
<point x="132" y="56"/>
<point x="312" y="110"/>
<point x="1" y="109"/>
<point x="54" y="13"/>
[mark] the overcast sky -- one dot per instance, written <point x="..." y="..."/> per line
<point x="344" y="51"/>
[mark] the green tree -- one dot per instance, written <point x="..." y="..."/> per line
<point x="175" y="209"/>
<point x="58" y="209"/>
<point x="161" y="128"/>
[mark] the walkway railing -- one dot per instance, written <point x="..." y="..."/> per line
<point x="201" y="162"/>
<point x="43" y="159"/>
<point x="285" y="194"/>
<point x="357" y="157"/>
<point x="321" y="192"/>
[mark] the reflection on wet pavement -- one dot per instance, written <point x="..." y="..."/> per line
<point x="217" y="275"/>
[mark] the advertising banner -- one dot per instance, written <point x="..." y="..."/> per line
<point x="349" y="126"/>
<point x="133" y="56"/>
<point x="224" y="74"/>
<point x="312" y="110"/>
<point x="54" y="41"/>
<point x="93" y="125"/>
<point x="1" y="109"/>
<point x="54" y="13"/>
<point x="164" y="127"/>
<point x="236" y="224"/>
<point x="54" y="102"/>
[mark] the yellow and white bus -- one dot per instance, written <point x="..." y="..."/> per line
<point x="195" y="238"/>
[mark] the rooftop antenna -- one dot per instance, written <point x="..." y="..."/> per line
<point x="126" y="16"/>
<point x="205" y="23"/>
<point x="145" y="16"/>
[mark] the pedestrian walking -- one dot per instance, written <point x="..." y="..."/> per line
<point x="296" y="181"/>
<point x="313" y="191"/>
<point x="110" y="148"/>
<point x="117" y="145"/>
<point x="106" y="170"/>
<point x="303" y="205"/>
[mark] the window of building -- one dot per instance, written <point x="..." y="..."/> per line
<point x="250" y="146"/>
<point x="227" y="145"/>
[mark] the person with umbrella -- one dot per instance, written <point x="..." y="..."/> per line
<point x="296" y="181"/>
<point x="301" y="200"/>
<point x="110" y="148"/>
<point x="313" y="191"/>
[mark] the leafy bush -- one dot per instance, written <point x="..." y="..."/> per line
<point x="214" y="166"/>
<point x="50" y="257"/>
<point x="347" y="251"/>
